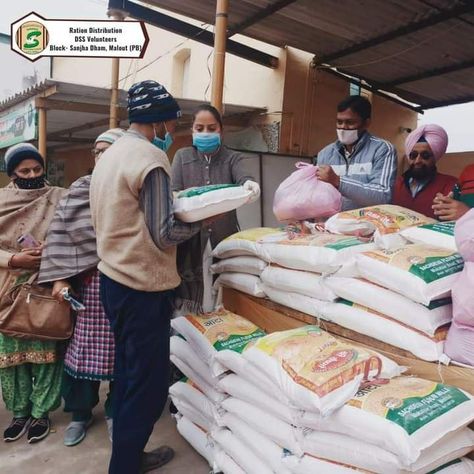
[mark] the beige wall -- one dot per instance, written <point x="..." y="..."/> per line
<point x="246" y="83"/>
<point x="387" y="120"/>
<point x="454" y="163"/>
<point x="77" y="163"/>
<point x="302" y="99"/>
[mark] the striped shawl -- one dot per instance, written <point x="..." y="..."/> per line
<point x="71" y="242"/>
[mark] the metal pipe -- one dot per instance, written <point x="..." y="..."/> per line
<point x="220" y="38"/>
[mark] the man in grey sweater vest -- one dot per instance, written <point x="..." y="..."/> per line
<point x="361" y="166"/>
<point x="137" y="234"/>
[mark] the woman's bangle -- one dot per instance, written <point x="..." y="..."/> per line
<point x="10" y="261"/>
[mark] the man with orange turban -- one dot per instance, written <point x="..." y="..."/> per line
<point x="421" y="183"/>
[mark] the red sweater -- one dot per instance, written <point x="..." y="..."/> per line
<point x="422" y="202"/>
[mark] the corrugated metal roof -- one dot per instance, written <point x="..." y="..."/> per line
<point x="395" y="41"/>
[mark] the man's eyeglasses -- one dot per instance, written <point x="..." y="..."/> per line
<point x="425" y="155"/>
<point x="96" y="152"/>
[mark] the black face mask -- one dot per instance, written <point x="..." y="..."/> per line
<point x="31" y="183"/>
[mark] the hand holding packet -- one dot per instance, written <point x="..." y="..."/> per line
<point x="76" y="305"/>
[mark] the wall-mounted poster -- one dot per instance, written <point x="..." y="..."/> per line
<point x="18" y="124"/>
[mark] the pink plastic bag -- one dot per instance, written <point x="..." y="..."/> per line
<point x="303" y="196"/>
<point x="463" y="288"/>
<point x="464" y="236"/>
<point x="459" y="345"/>
<point x="462" y="294"/>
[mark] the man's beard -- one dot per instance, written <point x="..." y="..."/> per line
<point x="422" y="172"/>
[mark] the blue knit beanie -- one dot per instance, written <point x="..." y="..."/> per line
<point x="150" y="102"/>
<point x="17" y="153"/>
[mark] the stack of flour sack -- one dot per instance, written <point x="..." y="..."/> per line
<point x="383" y="271"/>
<point x="303" y="401"/>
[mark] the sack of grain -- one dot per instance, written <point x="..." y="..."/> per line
<point x="262" y="446"/>
<point x="211" y="333"/>
<point x="249" y="284"/>
<point x="440" y="234"/>
<point x="458" y="466"/>
<point x="386" y="329"/>
<point x="419" y="272"/>
<point x="197" y="438"/>
<point x="384" y="222"/>
<point x="193" y="415"/>
<point x="234" y="362"/>
<point x="197" y="204"/>
<point x="208" y="390"/>
<point x="313" y="369"/>
<point x="424" y="318"/>
<point x="250" y="265"/>
<point x="183" y="351"/>
<point x="325" y="312"/>
<point x="319" y="252"/>
<point x="189" y="393"/>
<point x="305" y="304"/>
<point x="404" y="416"/>
<point x="243" y="243"/>
<point x="242" y="389"/>
<point x="239" y="452"/>
<point x="296" y="281"/>
<point x="224" y="463"/>
<point x="309" y="464"/>
<point x="352" y="451"/>
<point x="283" y="434"/>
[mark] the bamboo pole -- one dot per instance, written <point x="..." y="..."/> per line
<point x="114" y="83"/>
<point x="220" y="39"/>
<point x="42" y="132"/>
<point x="114" y="120"/>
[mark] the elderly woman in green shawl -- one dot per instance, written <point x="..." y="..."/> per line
<point x="30" y="371"/>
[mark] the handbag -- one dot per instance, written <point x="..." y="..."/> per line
<point x="28" y="311"/>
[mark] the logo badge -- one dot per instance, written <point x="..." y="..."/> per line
<point x="335" y="360"/>
<point x="32" y="37"/>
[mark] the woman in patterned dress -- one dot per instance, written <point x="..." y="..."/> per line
<point x="30" y="370"/>
<point x="70" y="261"/>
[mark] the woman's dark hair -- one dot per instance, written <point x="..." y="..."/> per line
<point x="358" y="104"/>
<point x="208" y="108"/>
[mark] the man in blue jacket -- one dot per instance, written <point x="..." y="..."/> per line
<point x="361" y="166"/>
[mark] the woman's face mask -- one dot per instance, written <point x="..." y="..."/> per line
<point x="30" y="183"/>
<point x="163" y="143"/>
<point x="207" y="142"/>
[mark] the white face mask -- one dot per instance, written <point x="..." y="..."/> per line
<point x="347" y="137"/>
